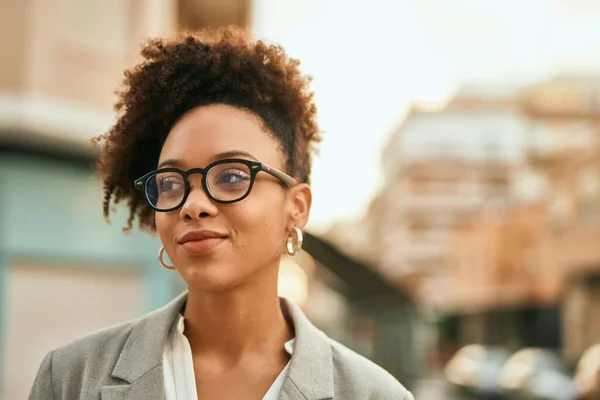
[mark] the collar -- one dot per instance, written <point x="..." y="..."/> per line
<point x="311" y="366"/>
<point x="179" y="329"/>
<point x="310" y="375"/>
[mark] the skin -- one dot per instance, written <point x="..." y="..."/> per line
<point x="233" y="318"/>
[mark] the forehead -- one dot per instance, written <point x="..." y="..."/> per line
<point x="205" y="132"/>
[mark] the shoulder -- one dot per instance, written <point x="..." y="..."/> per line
<point x="89" y="359"/>
<point x="357" y="376"/>
<point x="105" y="345"/>
<point x="95" y="351"/>
<point x="89" y="363"/>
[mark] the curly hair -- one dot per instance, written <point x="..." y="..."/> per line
<point x="211" y="67"/>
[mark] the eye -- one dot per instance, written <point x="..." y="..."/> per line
<point x="166" y="184"/>
<point x="232" y="176"/>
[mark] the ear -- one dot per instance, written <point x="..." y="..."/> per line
<point x="299" y="203"/>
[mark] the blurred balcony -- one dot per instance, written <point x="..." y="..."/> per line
<point x="564" y="98"/>
<point x="564" y="114"/>
<point x="70" y="49"/>
<point x="62" y="61"/>
<point x="551" y="143"/>
<point x="451" y="203"/>
<point x="423" y="252"/>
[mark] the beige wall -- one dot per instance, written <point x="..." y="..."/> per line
<point x="67" y="49"/>
<point x="532" y="253"/>
<point x="14" y="35"/>
<point x="49" y="306"/>
<point x="413" y="219"/>
<point x="486" y="259"/>
<point x="63" y="60"/>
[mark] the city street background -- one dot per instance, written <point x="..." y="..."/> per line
<point x="455" y="234"/>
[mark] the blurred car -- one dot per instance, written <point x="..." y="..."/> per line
<point x="475" y="369"/>
<point x="539" y="374"/>
<point x="587" y="374"/>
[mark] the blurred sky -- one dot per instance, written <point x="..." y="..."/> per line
<point x="370" y="59"/>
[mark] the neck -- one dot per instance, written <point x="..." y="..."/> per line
<point x="231" y="323"/>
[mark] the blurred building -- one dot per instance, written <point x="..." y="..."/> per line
<point x="563" y="116"/>
<point x="489" y="212"/>
<point x="573" y="253"/>
<point x="442" y="166"/>
<point x="529" y="275"/>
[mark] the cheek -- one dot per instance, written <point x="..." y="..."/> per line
<point x="163" y="226"/>
<point x="262" y="226"/>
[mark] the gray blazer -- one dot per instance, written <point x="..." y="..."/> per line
<point x="125" y="362"/>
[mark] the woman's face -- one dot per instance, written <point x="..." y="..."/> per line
<point x="239" y="240"/>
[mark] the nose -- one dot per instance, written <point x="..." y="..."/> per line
<point x="197" y="205"/>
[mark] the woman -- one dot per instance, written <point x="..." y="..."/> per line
<point x="207" y="126"/>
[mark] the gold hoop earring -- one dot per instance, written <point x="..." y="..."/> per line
<point x="161" y="252"/>
<point x="292" y="246"/>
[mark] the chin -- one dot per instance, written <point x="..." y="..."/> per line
<point x="211" y="277"/>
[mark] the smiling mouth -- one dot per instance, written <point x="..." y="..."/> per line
<point x="202" y="246"/>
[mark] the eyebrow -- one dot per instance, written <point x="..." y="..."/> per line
<point x="232" y="154"/>
<point x="227" y="154"/>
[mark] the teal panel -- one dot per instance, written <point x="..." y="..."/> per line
<point x="52" y="212"/>
<point x="161" y="286"/>
<point x="54" y="208"/>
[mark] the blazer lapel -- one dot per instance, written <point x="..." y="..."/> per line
<point x="148" y="387"/>
<point x="289" y="391"/>
<point x="139" y="366"/>
<point x="310" y="376"/>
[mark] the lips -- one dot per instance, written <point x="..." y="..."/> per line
<point x="200" y="235"/>
<point x="201" y="242"/>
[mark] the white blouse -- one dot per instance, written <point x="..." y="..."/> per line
<point x="178" y="367"/>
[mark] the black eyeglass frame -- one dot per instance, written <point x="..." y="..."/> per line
<point x="254" y="166"/>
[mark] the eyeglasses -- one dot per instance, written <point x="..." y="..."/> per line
<point x="224" y="181"/>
